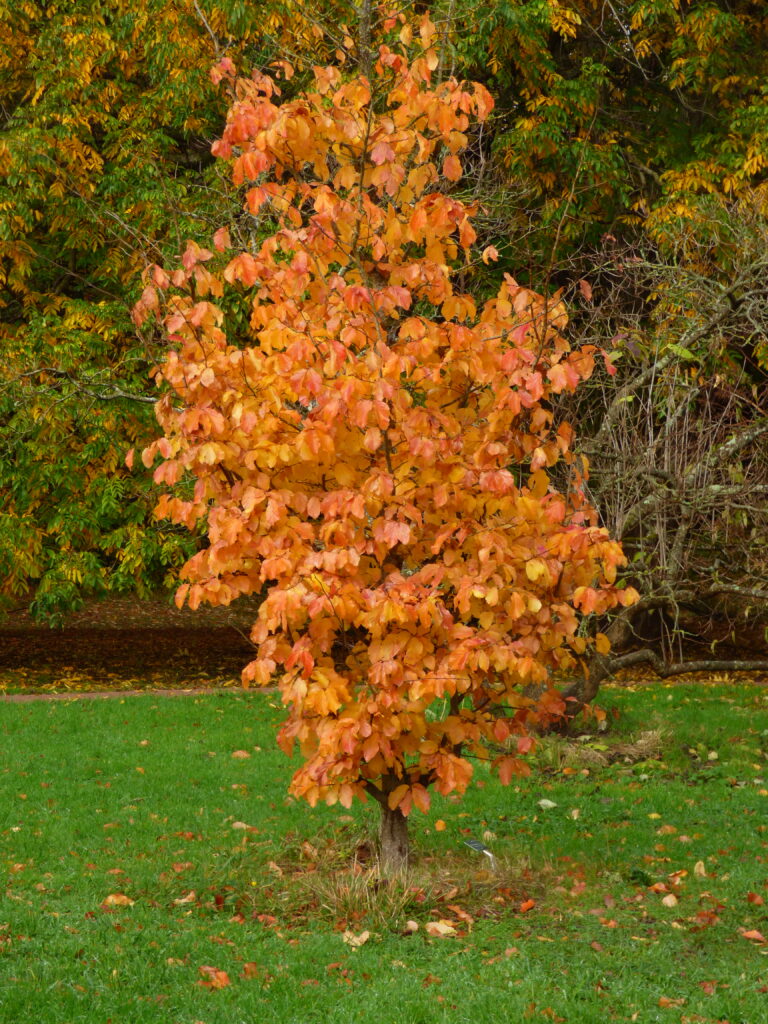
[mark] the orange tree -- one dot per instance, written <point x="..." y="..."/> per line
<point x="374" y="455"/>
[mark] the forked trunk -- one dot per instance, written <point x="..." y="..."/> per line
<point x="393" y="840"/>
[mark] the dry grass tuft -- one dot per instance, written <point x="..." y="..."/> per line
<point x="553" y="753"/>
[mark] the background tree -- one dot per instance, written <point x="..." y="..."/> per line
<point x="677" y="446"/>
<point x="373" y="453"/>
<point x="620" y="116"/>
<point x="108" y="114"/>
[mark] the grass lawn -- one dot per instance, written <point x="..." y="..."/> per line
<point x="154" y="872"/>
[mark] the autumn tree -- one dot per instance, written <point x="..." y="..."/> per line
<point x="619" y="117"/>
<point x="105" y="167"/>
<point x="373" y="455"/>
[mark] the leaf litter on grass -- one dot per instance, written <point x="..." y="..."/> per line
<point x="598" y="882"/>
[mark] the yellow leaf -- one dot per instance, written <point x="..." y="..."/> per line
<point x="602" y="643"/>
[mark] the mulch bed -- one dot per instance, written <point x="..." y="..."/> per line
<point x="125" y="644"/>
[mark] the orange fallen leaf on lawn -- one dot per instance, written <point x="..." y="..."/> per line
<point x="461" y="914"/>
<point x="117" y="899"/>
<point x="527" y="905"/>
<point x="213" y="978"/>
<point x="754" y="935"/>
<point x="190" y="897"/>
<point x="250" y="970"/>
<point x="241" y="754"/>
<point x="756" y="898"/>
<point x="439" y="825"/>
<point x="666" y="1003"/>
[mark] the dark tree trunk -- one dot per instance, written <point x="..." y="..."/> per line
<point x="393" y="838"/>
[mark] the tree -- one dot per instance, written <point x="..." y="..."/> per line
<point x="105" y="166"/>
<point x="621" y="117"/>
<point x="677" y="445"/>
<point x="374" y="453"/>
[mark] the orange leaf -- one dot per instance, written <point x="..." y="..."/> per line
<point x="117" y="899"/>
<point x="213" y="978"/>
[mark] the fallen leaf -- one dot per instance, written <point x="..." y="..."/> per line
<point x="241" y="754"/>
<point x="670" y="900"/>
<point x="439" y="929"/>
<point x="213" y="978"/>
<point x="250" y="970"/>
<point x="699" y="869"/>
<point x="753" y="935"/>
<point x="117" y="899"/>
<point x="355" y="941"/>
<point x="190" y="897"/>
<point x="666" y="1003"/>
<point x="440" y="825"/>
<point x="431" y="979"/>
<point x="755" y="898"/>
<point x="708" y="987"/>
<point x="527" y="905"/>
<point x="410" y="927"/>
<point x="596" y="946"/>
<point x="546" y="805"/>
<point x="461" y="914"/>
<point x="275" y="869"/>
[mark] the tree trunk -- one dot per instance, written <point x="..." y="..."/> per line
<point x="393" y="839"/>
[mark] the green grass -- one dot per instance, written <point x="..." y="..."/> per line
<point x="138" y="798"/>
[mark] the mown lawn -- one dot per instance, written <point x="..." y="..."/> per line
<point x="150" y="875"/>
